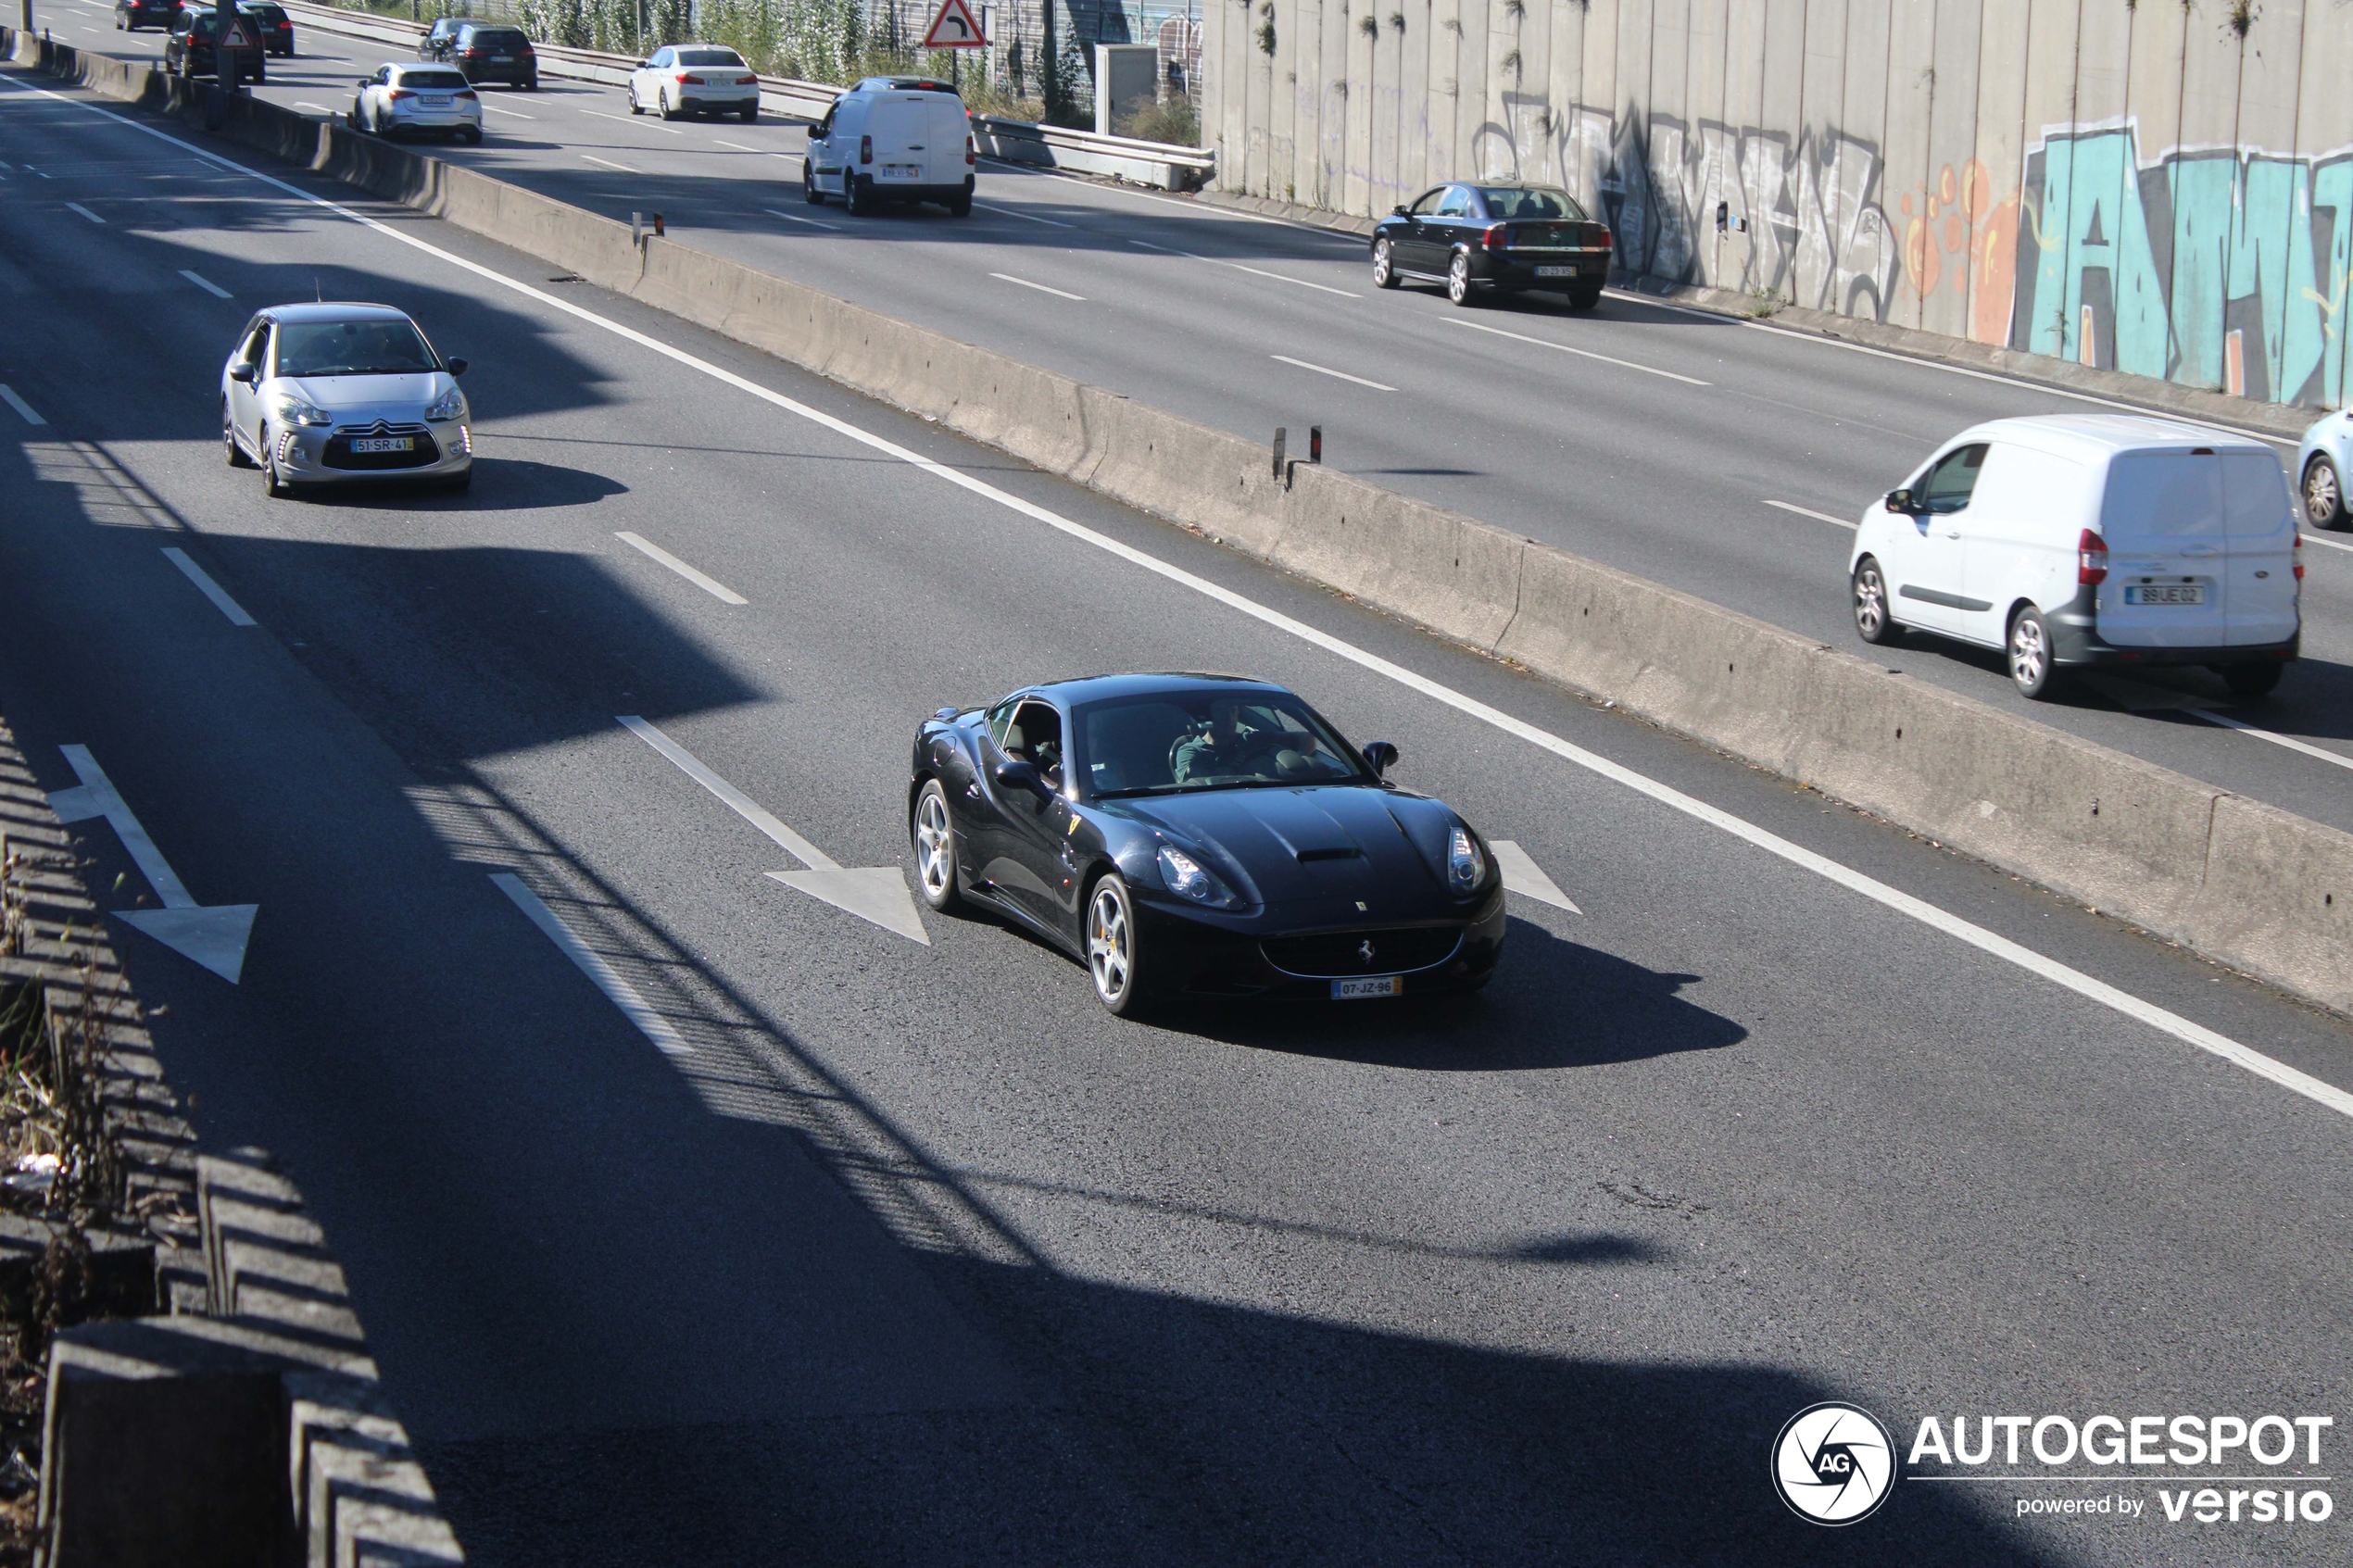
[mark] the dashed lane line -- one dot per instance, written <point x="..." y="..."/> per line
<point x="204" y="284"/>
<point x="710" y="585"/>
<point x="1580" y="353"/>
<point x="1026" y="217"/>
<point x="1041" y="288"/>
<point x="9" y="395"/>
<point x="1254" y="271"/>
<point x="609" y="163"/>
<point x="797" y="217"/>
<point x="77" y="206"/>
<point x="623" y="995"/>
<point x="1808" y="511"/>
<point x="1999" y="947"/>
<point x="1337" y="375"/>
<point x="2307" y="748"/>
<point x="207" y="587"/>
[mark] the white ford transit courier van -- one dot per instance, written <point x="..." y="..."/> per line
<point x="893" y="138"/>
<point x="2089" y="539"/>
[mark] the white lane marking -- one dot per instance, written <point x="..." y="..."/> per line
<point x="797" y="217"/>
<point x="9" y="395"/>
<point x="2328" y="544"/>
<point x="207" y="587"/>
<point x="710" y="585"/>
<point x="618" y="991"/>
<point x="1580" y="353"/>
<point x="2288" y="741"/>
<point x="1218" y="214"/>
<point x="1062" y="294"/>
<point x="609" y="163"/>
<point x="742" y="805"/>
<point x="1808" y="511"/>
<point x="1026" y="216"/>
<point x="874" y="894"/>
<point x="214" y="935"/>
<point x="630" y="120"/>
<point x="2001" y="948"/>
<point x="207" y="284"/>
<point x="77" y="206"/>
<point x="1340" y="375"/>
<point x="315" y="108"/>
<point x="511" y="114"/>
<point x="1639" y="298"/>
<point x="1254" y="272"/>
<point x="1524" y="876"/>
<point x="738" y="146"/>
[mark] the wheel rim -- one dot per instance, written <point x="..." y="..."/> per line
<point x="935" y="845"/>
<point x="1458" y="280"/>
<point x="1870" y="602"/>
<point x="1381" y="262"/>
<point x="2320" y="497"/>
<point x="1109" y="954"/>
<point x="2027" y="653"/>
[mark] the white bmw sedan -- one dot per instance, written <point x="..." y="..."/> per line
<point x="401" y="100"/>
<point x="335" y="394"/>
<point x="683" y="78"/>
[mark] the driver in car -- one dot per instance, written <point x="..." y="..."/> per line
<point x="1226" y="747"/>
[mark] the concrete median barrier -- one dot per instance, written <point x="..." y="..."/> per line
<point x="2245" y="883"/>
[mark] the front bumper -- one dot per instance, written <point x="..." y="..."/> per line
<point x="1186" y="955"/>
<point x="316" y="455"/>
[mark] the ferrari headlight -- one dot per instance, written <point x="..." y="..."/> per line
<point x="294" y="410"/>
<point x="450" y="405"/>
<point x="1187" y="878"/>
<point x="1465" y="861"/>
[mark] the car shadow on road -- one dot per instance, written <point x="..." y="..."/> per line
<point x="1553" y="1003"/>
<point x="500" y="484"/>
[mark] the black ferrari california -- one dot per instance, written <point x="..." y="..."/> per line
<point x="1201" y="835"/>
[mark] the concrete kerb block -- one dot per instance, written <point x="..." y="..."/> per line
<point x="2278" y="896"/>
<point x="359" y="1493"/>
<point x="1452" y="574"/>
<point x="1176" y="468"/>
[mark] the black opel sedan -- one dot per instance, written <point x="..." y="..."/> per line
<point x="1494" y="239"/>
<point x="1201" y="835"/>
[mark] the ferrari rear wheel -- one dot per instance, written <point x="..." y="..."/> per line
<point x="1111" y="945"/>
<point x="935" y="837"/>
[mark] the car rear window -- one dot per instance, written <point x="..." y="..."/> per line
<point x="268" y="14"/>
<point x="1531" y="202"/>
<point x="436" y="80"/>
<point x="497" y="37"/>
<point x="373" y="347"/>
<point x="708" y="57"/>
<point x="2167" y="496"/>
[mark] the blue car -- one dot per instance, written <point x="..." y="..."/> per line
<point x="1203" y="836"/>
<point x="2322" y="463"/>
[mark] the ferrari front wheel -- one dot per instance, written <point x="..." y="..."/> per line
<point x="1111" y="945"/>
<point x="934" y="834"/>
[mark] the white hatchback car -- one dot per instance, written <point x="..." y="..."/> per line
<point x="2323" y="464"/>
<point x="407" y="99"/>
<point x="683" y="78"/>
<point x="2089" y="539"/>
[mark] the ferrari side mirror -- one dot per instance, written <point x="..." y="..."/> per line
<point x="1013" y="773"/>
<point x="1380" y="756"/>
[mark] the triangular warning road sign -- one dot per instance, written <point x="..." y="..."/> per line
<point x="237" y="38"/>
<point x="953" y="28"/>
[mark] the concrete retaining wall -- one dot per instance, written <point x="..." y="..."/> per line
<point x="2244" y="882"/>
<point x="2165" y="189"/>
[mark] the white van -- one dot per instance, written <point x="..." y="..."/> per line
<point x="2089" y="539"/>
<point x="893" y="138"/>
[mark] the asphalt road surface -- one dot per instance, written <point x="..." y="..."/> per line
<point x="1722" y="460"/>
<point x="833" y="1247"/>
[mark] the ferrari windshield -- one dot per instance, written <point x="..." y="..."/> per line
<point x="378" y="347"/>
<point x="1167" y="742"/>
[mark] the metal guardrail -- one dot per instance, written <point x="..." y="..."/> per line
<point x="1158" y="164"/>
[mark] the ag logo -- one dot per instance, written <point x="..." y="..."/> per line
<point x="1833" y="1463"/>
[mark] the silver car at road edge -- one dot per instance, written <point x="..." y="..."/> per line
<point x="340" y="394"/>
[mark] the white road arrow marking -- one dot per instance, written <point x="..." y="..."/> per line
<point x="214" y="936"/>
<point x="872" y="893"/>
<point x="1524" y="876"/>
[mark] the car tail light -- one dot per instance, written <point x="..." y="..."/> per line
<point x="972" y="148"/>
<point x="2091" y="559"/>
<point x="470" y="54"/>
<point x="747" y="81"/>
<point x="1605" y="240"/>
<point x="524" y="52"/>
<point x="865" y="149"/>
<point x="464" y="92"/>
<point x="685" y="79"/>
<point x="399" y="93"/>
<point x="1497" y="237"/>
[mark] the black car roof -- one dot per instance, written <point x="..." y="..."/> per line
<point x="1077" y="690"/>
